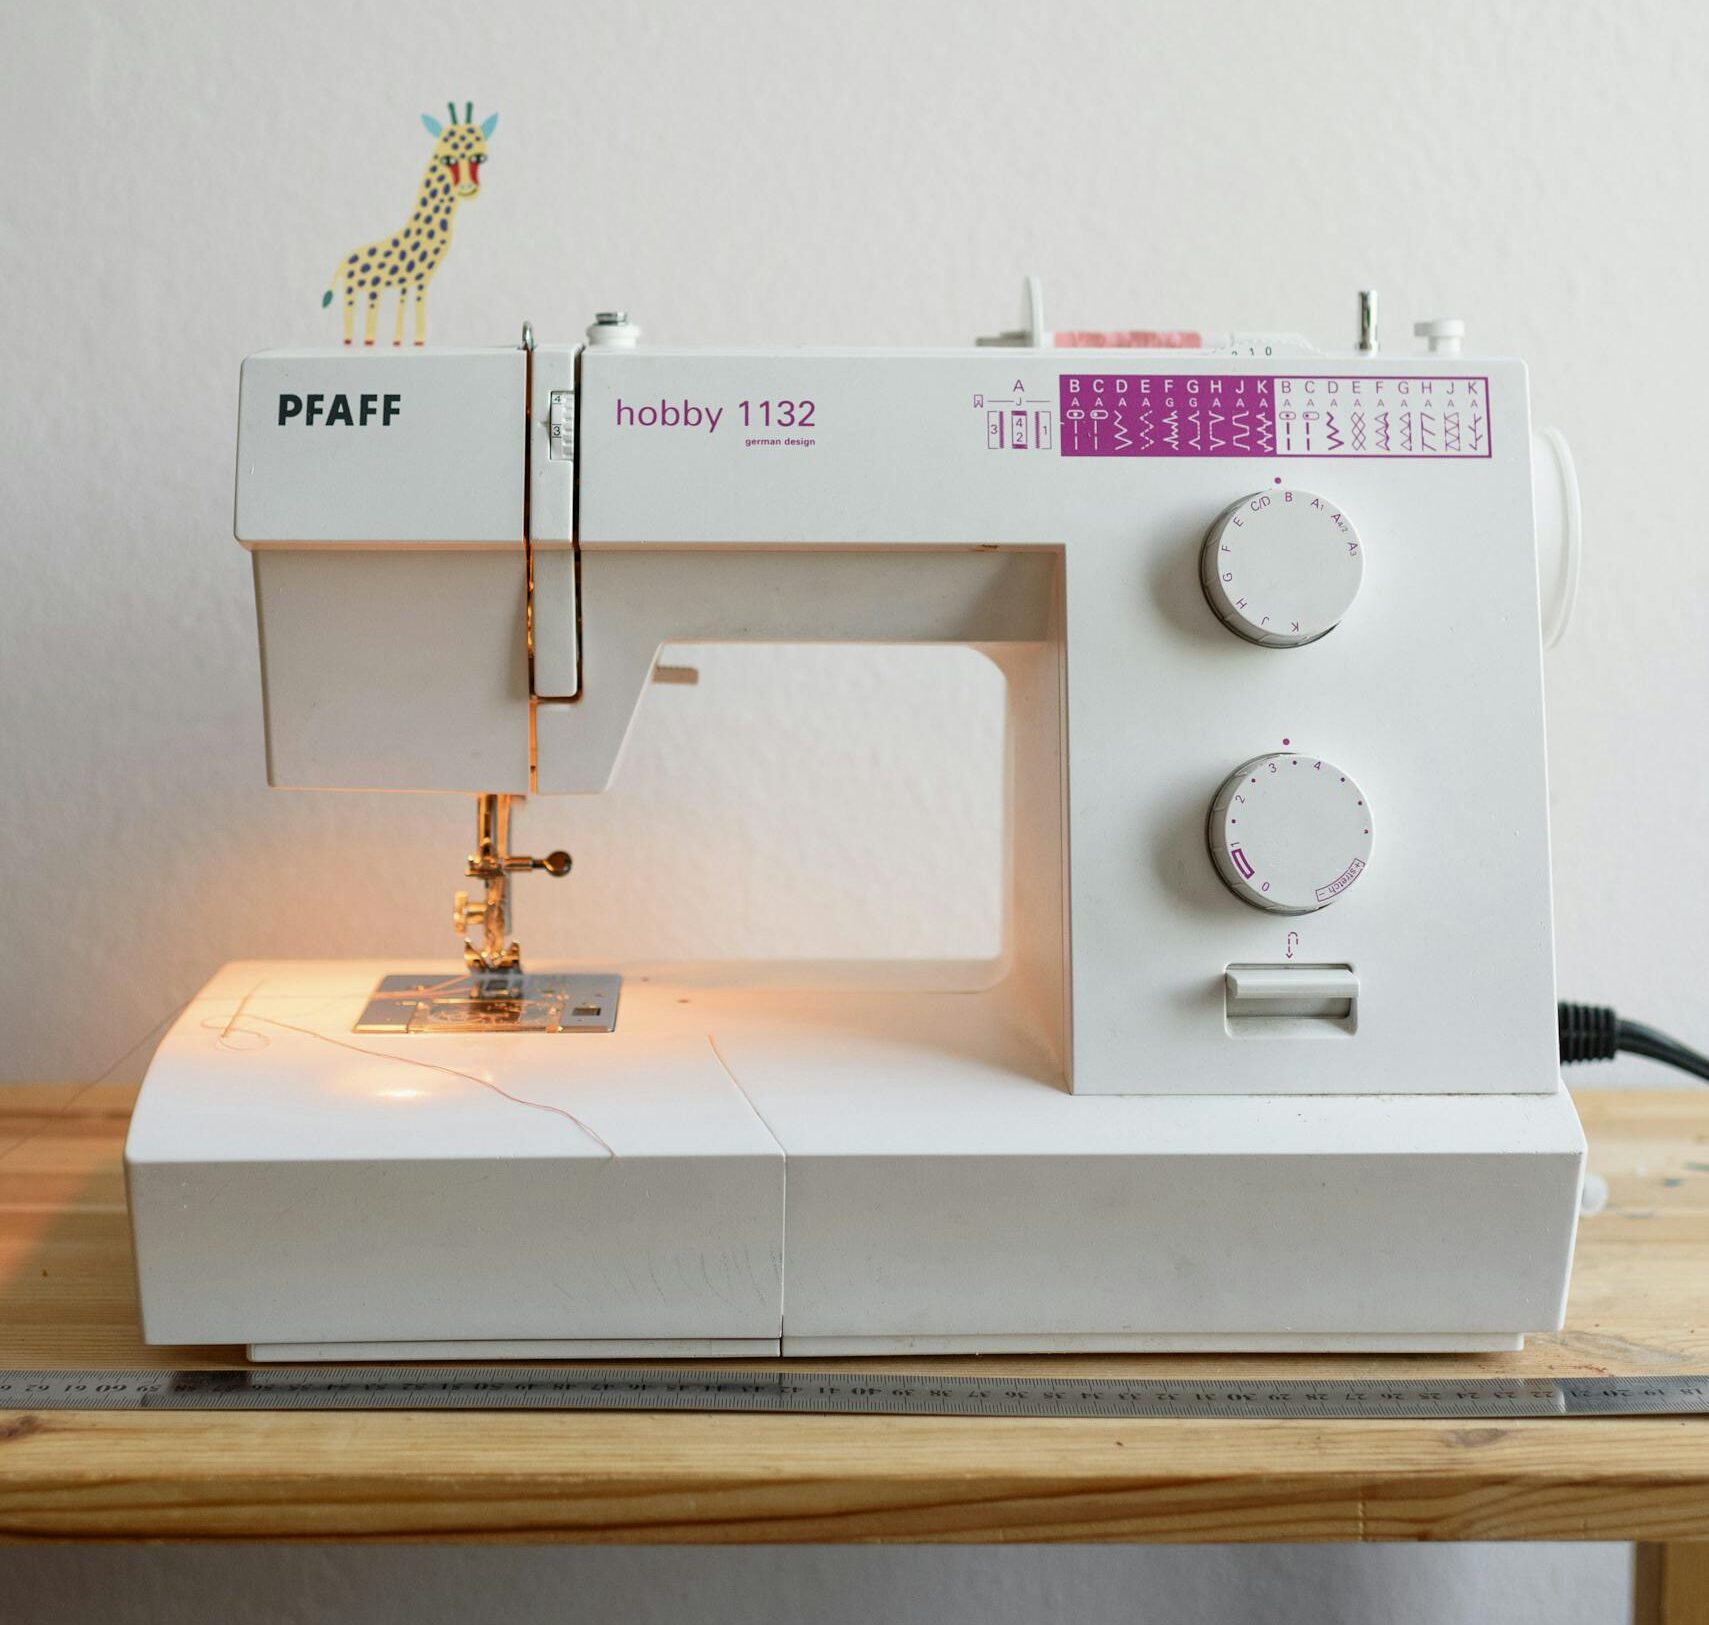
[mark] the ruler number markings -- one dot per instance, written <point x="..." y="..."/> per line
<point x="331" y="1388"/>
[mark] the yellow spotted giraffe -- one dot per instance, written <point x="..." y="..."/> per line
<point x="406" y="259"/>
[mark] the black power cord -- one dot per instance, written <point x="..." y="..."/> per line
<point x="1593" y="1032"/>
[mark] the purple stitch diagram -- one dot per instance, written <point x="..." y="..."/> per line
<point x="1285" y="415"/>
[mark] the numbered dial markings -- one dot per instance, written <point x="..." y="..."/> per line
<point x="1290" y="832"/>
<point x="1282" y="567"/>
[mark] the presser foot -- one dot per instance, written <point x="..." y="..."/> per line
<point x="502" y="1001"/>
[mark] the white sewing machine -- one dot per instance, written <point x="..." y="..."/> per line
<point x="1269" y="1058"/>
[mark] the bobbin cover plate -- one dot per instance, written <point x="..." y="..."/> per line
<point x="1290" y="832"/>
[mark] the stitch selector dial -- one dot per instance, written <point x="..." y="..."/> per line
<point x="1289" y="832"/>
<point x="1281" y="567"/>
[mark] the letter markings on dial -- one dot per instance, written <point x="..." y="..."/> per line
<point x="1282" y="567"/>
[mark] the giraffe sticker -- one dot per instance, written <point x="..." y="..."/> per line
<point x="406" y="258"/>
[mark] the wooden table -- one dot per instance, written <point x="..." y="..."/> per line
<point x="1640" y="1303"/>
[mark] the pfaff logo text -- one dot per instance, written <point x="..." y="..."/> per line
<point x="309" y="410"/>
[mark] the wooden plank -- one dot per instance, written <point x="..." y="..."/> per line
<point x="776" y="1479"/>
<point x="67" y="1297"/>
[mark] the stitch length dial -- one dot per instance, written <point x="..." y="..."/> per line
<point x="1289" y="832"/>
<point x="1281" y="567"/>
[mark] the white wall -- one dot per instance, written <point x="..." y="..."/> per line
<point x="177" y="180"/>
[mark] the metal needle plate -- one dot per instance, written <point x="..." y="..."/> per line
<point x="496" y="1001"/>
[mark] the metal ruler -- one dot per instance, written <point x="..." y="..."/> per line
<point x="840" y="1393"/>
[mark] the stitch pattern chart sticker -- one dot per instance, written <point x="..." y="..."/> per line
<point x="1284" y="415"/>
